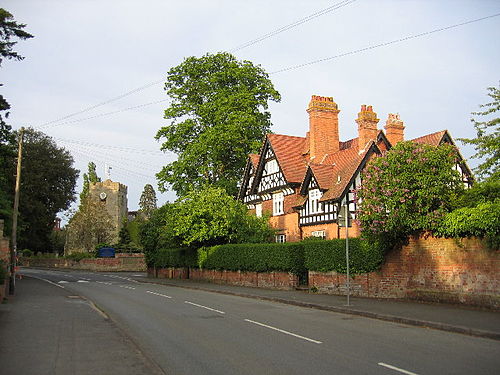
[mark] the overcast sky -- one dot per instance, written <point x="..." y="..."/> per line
<point x="86" y="52"/>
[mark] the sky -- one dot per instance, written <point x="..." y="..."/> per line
<point x="89" y="52"/>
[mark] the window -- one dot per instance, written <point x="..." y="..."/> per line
<point x="258" y="210"/>
<point x="314" y="205"/>
<point x="319" y="234"/>
<point x="278" y="200"/>
<point x="281" y="238"/>
<point x="271" y="167"/>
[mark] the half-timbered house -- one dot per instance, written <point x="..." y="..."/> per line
<point x="304" y="183"/>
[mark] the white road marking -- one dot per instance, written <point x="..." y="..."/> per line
<point x="82" y="281"/>
<point x="126" y="287"/>
<point x="123" y="278"/>
<point x="283" y="331"/>
<point x="138" y="275"/>
<point x="62" y="282"/>
<point x="205" y="307"/>
<point x="48" y="281"/>
<point x="104" y="282"/>
<point x="158" y="294"/>
<point x="396" y="369"/>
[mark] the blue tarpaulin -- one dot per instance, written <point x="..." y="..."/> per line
<point x="106" y="252"/>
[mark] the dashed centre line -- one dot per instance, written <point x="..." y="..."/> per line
<point x="396" y="369"/>
<point x="204" y="307"/>
<point x="158" y="294"/>
<point x="283" y="331"/>
<point x="126" y="287"/>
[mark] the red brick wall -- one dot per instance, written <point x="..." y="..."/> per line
<point x="431" y="269"/>
<point x="5" y="256"/>
<point x="122" y="263"/>
<point x="270" y="280"/>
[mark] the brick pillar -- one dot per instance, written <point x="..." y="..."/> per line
<point x="367" y="126"/>
<point x="323" y="127"/>
<point x="394" y="129"/>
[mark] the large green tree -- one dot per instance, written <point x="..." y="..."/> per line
<point x="48" y="182"/>
<point x="218" y="115"/>
<point x="10" y="32"/>
<point x="487" y="141"/>
<point x="147" y="202"/>
<point x="408" y="191"/>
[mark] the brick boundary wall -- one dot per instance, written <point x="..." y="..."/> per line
<point x="120" y="263"/>
<point x="427" y="269"/>
<point x="269" y="280"/>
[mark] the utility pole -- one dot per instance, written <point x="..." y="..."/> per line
<point x="347" y="246"/>
<point x="13" y="242"/>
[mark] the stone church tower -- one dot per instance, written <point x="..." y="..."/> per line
<point x="114" y="196"/>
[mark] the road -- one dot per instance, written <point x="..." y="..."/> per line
<point x="188" y="331"/>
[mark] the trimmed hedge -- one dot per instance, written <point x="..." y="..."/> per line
<point x="295" y="257"/>
<point x="329" y="255"/>
<point x="181" y="257"/>
<point x="264" y="257"/>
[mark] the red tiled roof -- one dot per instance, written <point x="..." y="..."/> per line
<point x="254" y="158"/>
<point x="288" y="150"/>
<point x="433" y="139"/>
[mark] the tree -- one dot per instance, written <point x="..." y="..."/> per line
<point x="90" y="226"/>
<point x="90" y="177"/>
<point x="147" y="202"/>
<point x="9" y="31"/>
<point x="218" y="115"/>
<point x="487" y="142"/>
<point x="408" y="191"/>
<point x="47" y="187"/>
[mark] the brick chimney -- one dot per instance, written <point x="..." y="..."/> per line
<point x="323" y="127"/>
<point x="394" y="129"/>
<point x="367" y="126"/>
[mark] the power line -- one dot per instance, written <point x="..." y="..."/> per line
<point x="109" y="147"/>
<point x="102" y="114"/>
<point x="383" y="44"/>
<point x="293" y="24"/>
<point x="101" y="104"/>
<point x="240" y="47"/>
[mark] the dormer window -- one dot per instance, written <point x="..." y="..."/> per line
<point x="313" y="202"/>
<point x="271" y="167"/>
<point x="278" y="200"/>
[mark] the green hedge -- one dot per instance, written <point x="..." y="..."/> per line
<point x="295" y="257"/>
<point x="329" y="255"/>
<point x="264" y="257"/>
<point x="181" y="257"/>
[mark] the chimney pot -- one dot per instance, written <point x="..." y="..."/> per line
<point x="323" y="127"/>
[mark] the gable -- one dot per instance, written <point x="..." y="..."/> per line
<point x="269" y="175"/>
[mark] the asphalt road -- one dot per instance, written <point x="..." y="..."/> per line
<point x="195" y="332"/>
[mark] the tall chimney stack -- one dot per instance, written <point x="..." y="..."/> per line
<point x="367" y="126"/>
<point x="323" y="127"/>
<point x="394" y="129"/>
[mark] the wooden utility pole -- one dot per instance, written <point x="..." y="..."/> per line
<point x="13" y="240"/>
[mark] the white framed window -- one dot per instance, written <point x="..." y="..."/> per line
<point x="278" y="200"/>
<point x="258" y="210"/>
<point x="281" y="238"/>
<point x="313" y="202"/>
<point x="319" y="234"/>
<point x="271" y="167"/>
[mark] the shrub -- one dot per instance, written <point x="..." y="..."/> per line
<point x="27" y="253"/>
<point x="480" y="221"/>
<point x="264" y="257"/>
<point x="180" y="257"/>
<point x="3" y="271"/>
<point x="79" y="256"/>
<point x="329" y="255"/>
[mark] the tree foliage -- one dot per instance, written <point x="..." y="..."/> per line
<point x="487" y="141"/>
<point x="90" y="177"/>
<point x="218" y="115"/>
<point x="48" y="182"/>
<point x="408" y="191"/>
<point x="91" y="225"/>
<point x="148" y="201"/>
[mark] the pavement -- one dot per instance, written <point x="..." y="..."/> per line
<point x="451" y="318"/>
<point x="47" y="330"/>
